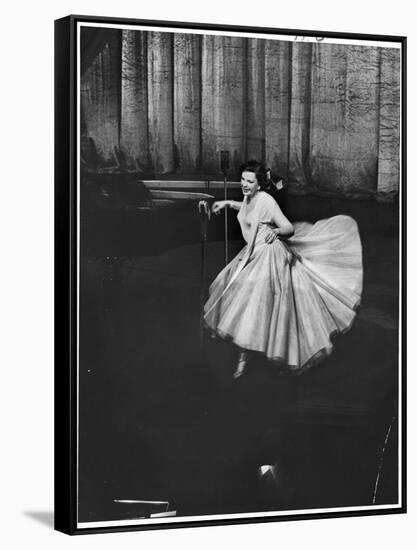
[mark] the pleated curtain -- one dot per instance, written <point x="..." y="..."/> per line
<point x="324" y="116"/>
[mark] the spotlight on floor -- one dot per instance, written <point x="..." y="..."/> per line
<point x="269" y="474"/>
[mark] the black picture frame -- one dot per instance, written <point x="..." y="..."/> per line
<point x="67" y="270"/>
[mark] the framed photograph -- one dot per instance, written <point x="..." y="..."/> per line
<point x="230" y="288"/>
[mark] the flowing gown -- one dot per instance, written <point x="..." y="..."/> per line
<point x="288" y="299"/>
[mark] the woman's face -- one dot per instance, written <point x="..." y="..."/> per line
<point x="249" y="184"/>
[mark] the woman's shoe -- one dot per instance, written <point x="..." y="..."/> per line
<point x="241" y="365"/>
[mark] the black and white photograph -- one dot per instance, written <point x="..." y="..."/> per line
<point x="237" y="275"/>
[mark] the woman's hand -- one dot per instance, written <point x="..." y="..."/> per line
<point x="218" y="206"/>
<point x="271" y="235"/>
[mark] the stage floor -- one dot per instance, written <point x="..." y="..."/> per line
<point x="161" y="417"/>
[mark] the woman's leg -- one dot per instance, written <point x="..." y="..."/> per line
<point x="241" y="363"/>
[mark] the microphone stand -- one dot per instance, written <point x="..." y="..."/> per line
<point x="224" y="165"/>
<point x="204" y="210"/>
<point x="226" y="236"/>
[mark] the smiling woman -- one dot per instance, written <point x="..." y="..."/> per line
<point x="291" y="288"/>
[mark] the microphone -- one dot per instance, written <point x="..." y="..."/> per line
<point x="224" y="161"/>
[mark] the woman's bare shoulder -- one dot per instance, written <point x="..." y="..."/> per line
<point x="268" y="200"/>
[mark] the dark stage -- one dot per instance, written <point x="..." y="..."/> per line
<point x="161" y="417"/>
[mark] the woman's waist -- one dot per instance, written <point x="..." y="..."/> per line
<point x="261" y="244"/>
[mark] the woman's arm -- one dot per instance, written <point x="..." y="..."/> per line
<point x="219" y="205"/>
<point x="285" y="231"/>
<point x="234" y="204"/>
<point x="284" y="227"/>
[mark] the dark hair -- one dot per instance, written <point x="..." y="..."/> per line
<point x="258" y="169"/>
<point x="264" y="176"/>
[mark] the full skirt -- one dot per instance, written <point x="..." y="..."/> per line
<point x="291" y="297"/>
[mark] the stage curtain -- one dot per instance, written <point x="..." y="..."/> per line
<point x="100" y="103"/>
<point x="324" y="116"/>
<point x="187" y="103"/>
<point x="134" y="141"/>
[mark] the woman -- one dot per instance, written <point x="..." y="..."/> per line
<point x="292" y="287"/>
